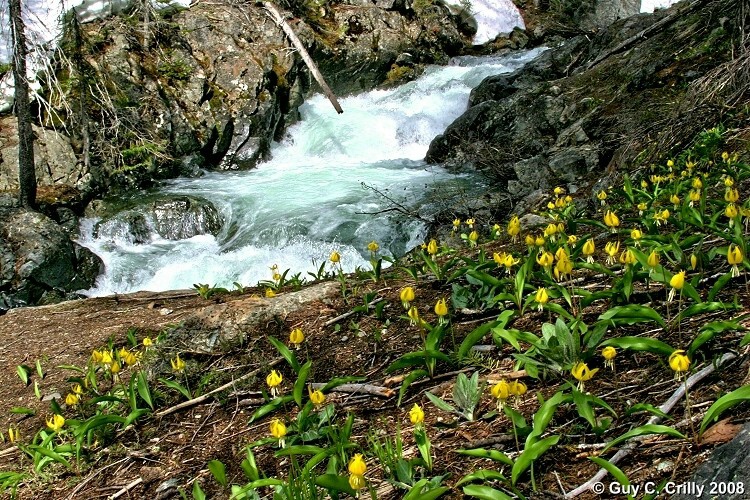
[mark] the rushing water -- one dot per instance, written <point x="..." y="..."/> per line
<point x="315" y="195"/>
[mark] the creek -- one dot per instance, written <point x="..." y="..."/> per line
<point x="331" y="185"/>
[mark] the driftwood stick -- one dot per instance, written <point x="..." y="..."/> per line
<point x="273" y="11"/>
<point x="350" y="313"/>
<point x="204" y="397"/>
<point x="375" y="390"/>
<point x="666" y="407"/>
<point x="126" y="488"/>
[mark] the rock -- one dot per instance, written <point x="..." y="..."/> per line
<point x="229" y="323"/>
<point x="37" y="256"/>
<point x="728" y="467"/>
<point x="184" y="217"/>
<point x="171" y="217"/>
<point x="55" y="160"/>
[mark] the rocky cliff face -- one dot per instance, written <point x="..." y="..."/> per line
<point x="594" y="103"/>
<point x="148" y="97"/>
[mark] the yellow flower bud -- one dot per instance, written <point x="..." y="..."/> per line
<point x="296" y="337"/>
<point x="373" y="246"/>
<point x="734" y="255"/>
<point x="416" y="415"/>
<point x="357" y="465"/>
<point x="335" y="257"/>
<point x="441" y="308"/>
<point x="432" y="247"/>
<point x="653" y="259"/>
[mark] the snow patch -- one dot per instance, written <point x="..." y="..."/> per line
<point x="493" y="17"/>
<point x="652" y="5"/>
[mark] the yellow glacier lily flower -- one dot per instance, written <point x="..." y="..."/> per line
<point x="407" y="295"/>
<point x="609" y="353"/>
<point x="316" y="396"/>
<point x="274" y="380"/>
<point x="734" y="258"/>
<point x="56" y="422"/>
<point x="357" y="465"/>
<point x="296" y="337"/>
<point x="679" y="362"/>
<point x="178" y="365"/>
<point x="582" y="373"/>
<point x="676" y="282"/>
<point x="416" y="415"/>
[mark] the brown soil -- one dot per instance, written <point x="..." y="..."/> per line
<point x="170" y="453"/>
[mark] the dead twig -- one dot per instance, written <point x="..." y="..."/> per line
<point x="375" y="390"/>
<point x="204" y="397"/>
<point x="126" y="488"/>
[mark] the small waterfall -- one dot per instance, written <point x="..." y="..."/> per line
<point x="325" y="189"/>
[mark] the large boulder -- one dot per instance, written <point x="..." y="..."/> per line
<point x="169" y="217"/>
<point x="38" y="259"/>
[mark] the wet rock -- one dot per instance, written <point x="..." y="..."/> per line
<point x="172" y="218"/>
<point x="37" y="256"/>
<point x="185" y="217"/>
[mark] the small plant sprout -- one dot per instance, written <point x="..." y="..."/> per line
<point x="734" y="257"/>
<point x="357" y="469"/>
<point x="582" y="373"/>
<point x="274" y="380"/>
<point x="407" y="296"/>
<point x="609" y="353"/>
<point x="441" y="309"/>
<point x="278" y="430"/>
<point x="178" y="365"/>
<point x="296" y="337"/>
<point x="316" y="396"/>
<point x="56" y="422"/>
<point x="14" y="435"/>
<point x="501" y="392"/>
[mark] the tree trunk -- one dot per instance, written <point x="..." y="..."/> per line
<point x="26" y="169"/>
